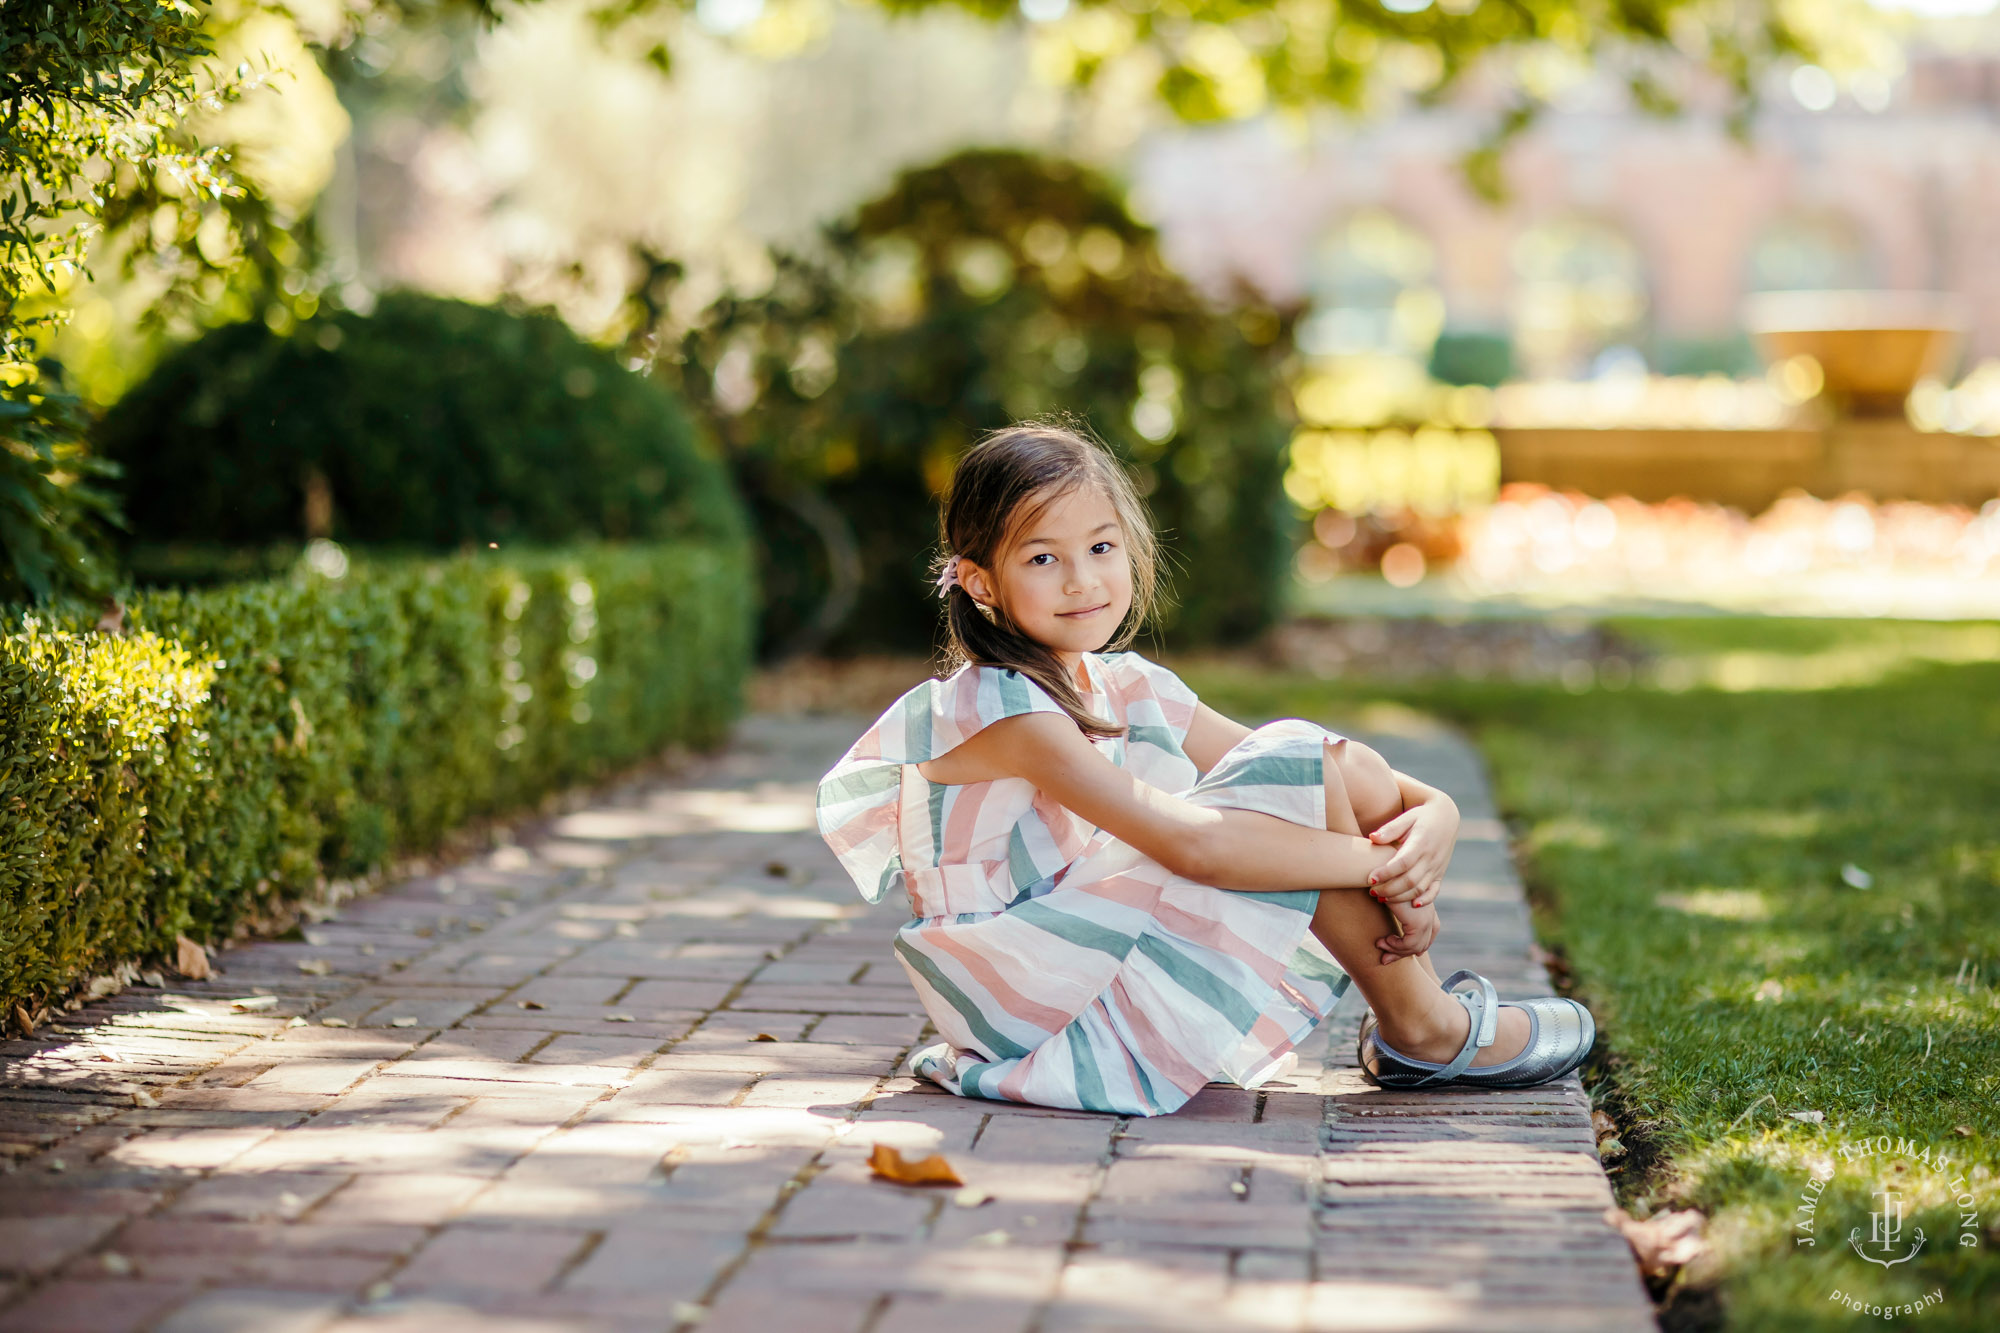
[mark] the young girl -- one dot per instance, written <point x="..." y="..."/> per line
<point x="1119" y="894"/>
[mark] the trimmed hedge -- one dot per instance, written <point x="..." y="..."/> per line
<point x="237" y="746"/>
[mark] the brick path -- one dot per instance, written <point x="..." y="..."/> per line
<point x="626" y="1076"/>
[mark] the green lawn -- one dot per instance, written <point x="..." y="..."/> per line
<point x="1684" y="840"/>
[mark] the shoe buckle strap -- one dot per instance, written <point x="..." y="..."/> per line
<point x="1486" y="1016"/>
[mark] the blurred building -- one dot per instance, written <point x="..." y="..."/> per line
<point x="1627" y="239"/>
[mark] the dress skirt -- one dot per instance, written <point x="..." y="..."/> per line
<point x="1116" y="985"/>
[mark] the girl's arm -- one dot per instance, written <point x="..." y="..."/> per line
<point x="1210" y="736"/>
<point x="1226" y="848"/>
<point x="1423" y="834"/>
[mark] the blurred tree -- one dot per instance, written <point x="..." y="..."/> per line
<point x="1229" y="59"/>
<point x="990" y="287"/>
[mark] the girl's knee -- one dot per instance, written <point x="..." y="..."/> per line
<point x="1370" y="784"/>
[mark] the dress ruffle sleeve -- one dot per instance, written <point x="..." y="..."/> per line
<point x="857" y="800"/>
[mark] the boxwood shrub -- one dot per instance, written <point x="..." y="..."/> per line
<point x="230" y="748"/>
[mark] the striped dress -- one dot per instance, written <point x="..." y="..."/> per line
<point x="1060" y="965"/>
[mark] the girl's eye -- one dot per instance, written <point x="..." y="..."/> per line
<point x="1051" y="555"/>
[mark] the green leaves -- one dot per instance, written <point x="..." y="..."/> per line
<point x="232" y="748"/>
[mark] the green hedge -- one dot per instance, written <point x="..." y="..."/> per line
<point x="236" y="746"/>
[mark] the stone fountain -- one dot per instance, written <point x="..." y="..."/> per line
<point x="1849" y="360"/>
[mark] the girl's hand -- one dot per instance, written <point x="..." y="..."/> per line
<point x="1420" y="928"/>
<point x="1427" y="834"/>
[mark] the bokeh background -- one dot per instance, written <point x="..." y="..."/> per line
<point x="412" y="408"/>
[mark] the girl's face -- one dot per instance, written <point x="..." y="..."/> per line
<point x="1064" y="577"/>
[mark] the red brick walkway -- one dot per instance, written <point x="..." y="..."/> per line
<point x="627" y="1076"/>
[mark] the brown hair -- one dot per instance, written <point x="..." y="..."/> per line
<point x="1005" y="481"/>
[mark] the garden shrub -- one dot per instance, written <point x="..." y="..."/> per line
<point x="236" y="746"/>
<point x="429" y="423"/>
<point x="992" y="286"/>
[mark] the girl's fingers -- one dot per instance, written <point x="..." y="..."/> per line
<point x="1395" y="828"/>
<point x="1393" y="868"/>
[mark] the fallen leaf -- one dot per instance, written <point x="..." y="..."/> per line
<point x="23" y="1020"/>
<point x="315" y="967"/>
<point x="1611" y="1147"/>
<point x="1603" y="1125"/>
<point x="402" y="1022"/>
<point x="115" y="1264"/>
<point x="1239" y="1189"/>
<point x="991" y="1238"/>
<point x="620" y="1018"/>
<point x="970" y="1197"/>
<point x="687" y="1312"/>
<point x="58" y="1164"/>
<point x="296" y="1022"/>
<point x="531" y="1004"/>
<point x="763" y="1036"/>
<point x="251" y="1004"/>
<point x="144" y="1099"/>
<point x="1662" y="1242"/>
<point x="377" y="1293"/>
<point x="190" y="959"/>
<point x="889" y="1164"/>
<point x="1810" y="1117"/>
<point x="1963" y="1131"/>
<point x="333" y="1022"/>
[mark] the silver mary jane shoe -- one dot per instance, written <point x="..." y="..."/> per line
<point x="1560" y="1032"/>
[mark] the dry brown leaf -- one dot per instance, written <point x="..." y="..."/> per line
<point x="763" y="1036"/>
<point x="531" y="1004"/>
<point x="1603" y="1125"/>
<point x="1963" y="1131"/>
<point x="252" y="1004"/>
<point x="24" y="1021"/>
<point x="1662" y="1242"/>
<point x="889" y="1164"/>
<point x="190" y="959"/>
<point x="315" y="967"/>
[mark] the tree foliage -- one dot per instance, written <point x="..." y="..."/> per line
<point x="100" y="136"/>
<point x="990" y="287"/>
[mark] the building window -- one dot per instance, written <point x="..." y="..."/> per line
<point x="1580" y="300"/>
<point x="1373" y="287"/>
<point x="1811" y="252"/>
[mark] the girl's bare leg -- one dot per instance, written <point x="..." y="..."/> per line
<point x="1362" y="796"/>
<point x="1415" y="1015"/>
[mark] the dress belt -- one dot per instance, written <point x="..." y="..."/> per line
<point x="969" y="886"/>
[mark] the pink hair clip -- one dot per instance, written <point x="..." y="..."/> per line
<point x="949" y="578"/>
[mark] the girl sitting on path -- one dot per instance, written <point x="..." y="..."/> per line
<point x="1119" y="894"/>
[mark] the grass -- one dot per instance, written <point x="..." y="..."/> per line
<point x="1693" y="845"/>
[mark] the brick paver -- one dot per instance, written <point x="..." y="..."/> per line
<point x="627" y="1075"/>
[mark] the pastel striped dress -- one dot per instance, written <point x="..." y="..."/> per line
<point x="1060" y="965"/>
